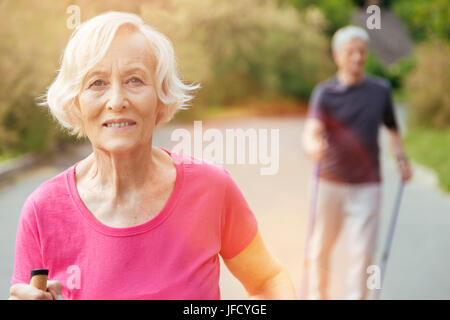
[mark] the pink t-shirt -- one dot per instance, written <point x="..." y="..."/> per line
<point x="172" y="256"/>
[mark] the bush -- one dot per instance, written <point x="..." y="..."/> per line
<point x="395" y="73"/>
<point x="337" y="12"/>
<point x="428" y="147"/>
<point x="424" y="19"/>
<point x="29" y="53"/>
<point x="245" y="49"/>
<point x="428" y="85"/>
<point x="237" y="50"/>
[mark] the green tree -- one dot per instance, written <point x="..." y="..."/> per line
<point x="428" y="85"/>
<point x="425" y="18"/>
<point x="337" y="12"/>
<point x="245" y="49"/>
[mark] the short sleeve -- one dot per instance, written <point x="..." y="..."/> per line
<point x="388" y="112"/>
<point x="238" y="223"/>
<point x="27" y="254"/>
<point x="316" y="106"/>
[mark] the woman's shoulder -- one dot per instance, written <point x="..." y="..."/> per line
<point x="201" y="168"/>
<point x="52" y="189"/>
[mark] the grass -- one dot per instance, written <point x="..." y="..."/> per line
<point x="431" y="147"/>
<point x="8" y="155"/>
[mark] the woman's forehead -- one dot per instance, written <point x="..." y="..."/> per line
<point x="128" y="49"/>
<point x="123" y="69"/>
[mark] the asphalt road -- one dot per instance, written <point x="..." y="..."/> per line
<point x="419" y="260"/>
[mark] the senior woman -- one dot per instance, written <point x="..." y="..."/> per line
<point x="134" y="221"/>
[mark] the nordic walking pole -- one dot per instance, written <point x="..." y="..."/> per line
<point x="387" y="247"/>
<point x="312" y="219"/>
<point x="39" y="278"/>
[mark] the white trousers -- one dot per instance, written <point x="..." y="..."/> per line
<point x="357" y="207"/>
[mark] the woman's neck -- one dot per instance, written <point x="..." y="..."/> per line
<point x="119" y="173"/>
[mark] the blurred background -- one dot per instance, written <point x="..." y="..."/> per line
<point x="257" y="62"/>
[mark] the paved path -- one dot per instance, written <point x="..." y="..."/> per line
<point x="419" y="260"/>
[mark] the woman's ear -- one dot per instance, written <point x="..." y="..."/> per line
<point x="75" y="115"/>
<point x="162" y="112"/>
<point x="76" y="102"/>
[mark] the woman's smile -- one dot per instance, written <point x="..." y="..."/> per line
<point x="119" y="124"/>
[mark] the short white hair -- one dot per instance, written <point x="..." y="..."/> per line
<point x="88" y="45"/>
<point x="347" y="34"/>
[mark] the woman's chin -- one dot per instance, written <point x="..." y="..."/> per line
<point x="119" y="146"/>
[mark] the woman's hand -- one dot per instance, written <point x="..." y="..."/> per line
<point x="23" y="291"/>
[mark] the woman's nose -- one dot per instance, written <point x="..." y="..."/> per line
<point x="117" y="98"/>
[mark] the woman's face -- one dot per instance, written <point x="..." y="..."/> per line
<point x="118" y="103"/>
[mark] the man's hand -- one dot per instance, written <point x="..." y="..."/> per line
<point x="314" y="142"/>
<point x="404" y="167"/>
<point x="397" y="148"/>
<point x="317" y="148"/>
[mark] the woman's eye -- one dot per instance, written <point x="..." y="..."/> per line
<point x="135" y="80"/>
<point x="97" y="83"/>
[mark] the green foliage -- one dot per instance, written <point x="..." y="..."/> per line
<point x="424" y="19"/>
<point x="428" y="147"/>
<point x="395" y="73"/>
<point x="29" y="52"/>
<point x="245" y="49"/>
<point x="428" y="85"/>
<point x="237" y="50"/>
<point x="336" y="12"/>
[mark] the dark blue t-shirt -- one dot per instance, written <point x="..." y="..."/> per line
<point x="352" y="116"/>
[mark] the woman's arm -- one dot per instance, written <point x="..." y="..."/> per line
<point x="260" y="274"/>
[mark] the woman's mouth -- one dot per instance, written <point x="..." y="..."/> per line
<point x="119" y="124"/>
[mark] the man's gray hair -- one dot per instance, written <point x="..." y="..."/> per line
<point x="347" y="34"/>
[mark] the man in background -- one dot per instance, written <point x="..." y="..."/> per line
<point x="341" y="136"/>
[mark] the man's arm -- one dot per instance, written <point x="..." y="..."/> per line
<point x="396" y="144"/>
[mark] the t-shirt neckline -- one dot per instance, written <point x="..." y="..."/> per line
<point x="349" y="87"/>
<point x="134" y="230"/>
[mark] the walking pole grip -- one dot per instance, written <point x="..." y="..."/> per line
<point x="39" y="278"/>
